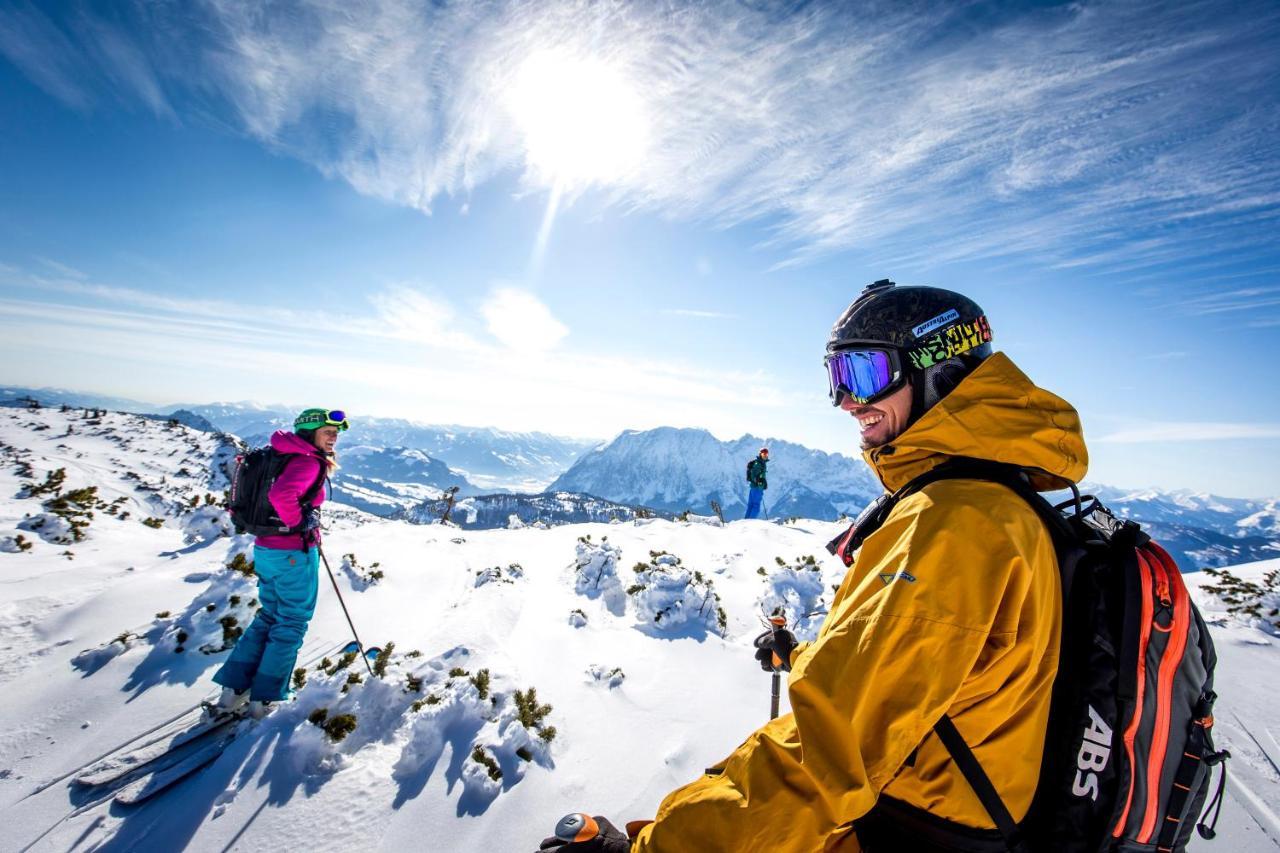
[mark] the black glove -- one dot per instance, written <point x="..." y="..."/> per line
<point x="780" y="642"/>
<point x="311" y="519"/>
<point x="610" y="840"/>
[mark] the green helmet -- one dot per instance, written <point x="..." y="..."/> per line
<point x="313" y="419"/>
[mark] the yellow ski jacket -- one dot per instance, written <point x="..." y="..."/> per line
<point x="952" y="607"/>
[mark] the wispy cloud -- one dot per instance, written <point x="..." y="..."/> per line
<point x="1115" y="135"/>
<point x="434" y="357"/>
<point x="1202" y="431"/>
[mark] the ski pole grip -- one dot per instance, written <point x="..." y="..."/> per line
<point x="776" y="624"/>
<point x="577" y="827"/>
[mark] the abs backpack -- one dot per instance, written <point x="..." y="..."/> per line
<point x="1129" y="748"/>
<point x="251" y="510"/>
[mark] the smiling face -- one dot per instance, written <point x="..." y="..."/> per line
<point x="882" y="421"/>
<point x="326" y="438"/>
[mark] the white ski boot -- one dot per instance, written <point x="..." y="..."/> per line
<point x="258" y="709"/>
<point x="229" y="702"/>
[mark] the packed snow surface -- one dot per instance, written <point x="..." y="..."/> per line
<point x="535" y="671"/>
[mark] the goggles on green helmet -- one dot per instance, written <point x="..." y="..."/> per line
<point x="316" y="418"/>
<point x="863" y="373"/>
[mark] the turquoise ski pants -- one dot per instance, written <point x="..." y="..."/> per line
<point x="263" y="658"/>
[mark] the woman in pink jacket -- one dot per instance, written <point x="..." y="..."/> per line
<point x="287" y="566"/>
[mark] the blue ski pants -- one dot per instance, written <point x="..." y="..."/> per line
<point x="754" y="500"/>
<point x="264" y="656"/>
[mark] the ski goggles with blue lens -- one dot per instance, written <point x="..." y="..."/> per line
<point x="866" y="374"/>
<point x="334" y="417"/>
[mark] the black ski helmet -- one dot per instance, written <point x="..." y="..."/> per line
<point x="940" y="335"/>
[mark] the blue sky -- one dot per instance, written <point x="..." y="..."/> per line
<point x="587" y="217"/>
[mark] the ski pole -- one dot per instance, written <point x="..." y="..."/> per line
<point x="345" y="612"/>
<point x="776" y="623"/>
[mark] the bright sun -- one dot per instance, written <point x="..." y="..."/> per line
<point x="582" y="120"/>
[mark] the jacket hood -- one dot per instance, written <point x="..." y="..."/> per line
<point x="283" y="441"/>
<point x="995" y="413"/>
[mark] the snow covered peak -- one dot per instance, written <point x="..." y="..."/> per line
<point x="685" y="468"/>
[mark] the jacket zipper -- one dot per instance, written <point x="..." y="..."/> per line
<point x="1164" y="685"/>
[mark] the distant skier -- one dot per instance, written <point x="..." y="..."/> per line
<point x="757" y="483"/>
<point x="287" y="565"/>
<point x="951" y="609"/>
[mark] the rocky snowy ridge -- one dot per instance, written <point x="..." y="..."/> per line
<point x="490" y="459"/>
<point x="525" y="661"/>
<point x="678" y="469"/>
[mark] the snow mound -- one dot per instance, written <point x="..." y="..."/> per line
<point x="794" y="591"/>
<point x="211" y="623"/>
<point x="596" y="567"/>
<point x="499" y="574"/>
<point x="361" y="578"/>
<point x="613" y="676"/>
<point x="51" y="528"/>
<point x="419" y="708"/>
<point x="205" y="524"/>
<point x="671" y="598"/>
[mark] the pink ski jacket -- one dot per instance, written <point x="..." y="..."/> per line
<point x="286" y="493"/>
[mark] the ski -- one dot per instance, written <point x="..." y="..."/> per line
<point x="164" y="745"/>
<point x="352" y="649"/>
<point x="159" y="780"/>
<point x="154" y="752"/>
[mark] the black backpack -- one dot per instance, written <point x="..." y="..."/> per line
<point x="1128" y="752"/>
<point x="251" y="511"/>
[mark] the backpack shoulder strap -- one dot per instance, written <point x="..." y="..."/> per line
<point x="321" y="476"/>
<point x="968" y="764"/>
<point x="957" y="468"/>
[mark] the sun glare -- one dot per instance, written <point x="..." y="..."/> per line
<point x="582" y="120"/>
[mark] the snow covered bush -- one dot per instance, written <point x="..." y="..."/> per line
<point x="49" y="527"/>
<point x="360" y="577"/>
<point x="14" y="544"/>
<point x="692" y="518"/>
<point x="613" y="676"/>
<point x="596" y="567"/>
<point x="417" y="707"/>
<point x="1256" y="602"/>
<point x="670" y="597"/>
<point x="577" y="618"/>
<point x="205" y="524"/>
<point x="498" y="574"/>
<point x="795" y="590"/>
<point x="90" y="661"/>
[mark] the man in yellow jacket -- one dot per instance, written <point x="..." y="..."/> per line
<point x="951" y="607"/>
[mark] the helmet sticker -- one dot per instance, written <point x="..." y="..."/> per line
<point x="950" y="342"/>
<point x="941" y="320"/>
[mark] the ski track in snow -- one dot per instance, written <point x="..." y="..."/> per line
<point x="405" y="779"/>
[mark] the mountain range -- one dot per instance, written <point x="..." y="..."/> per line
<point x="394" y="467"/>
<point x="678" y="469"/>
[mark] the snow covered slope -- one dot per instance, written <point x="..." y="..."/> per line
<point x="637" y="636"/>
<point x="679" y="469"/>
